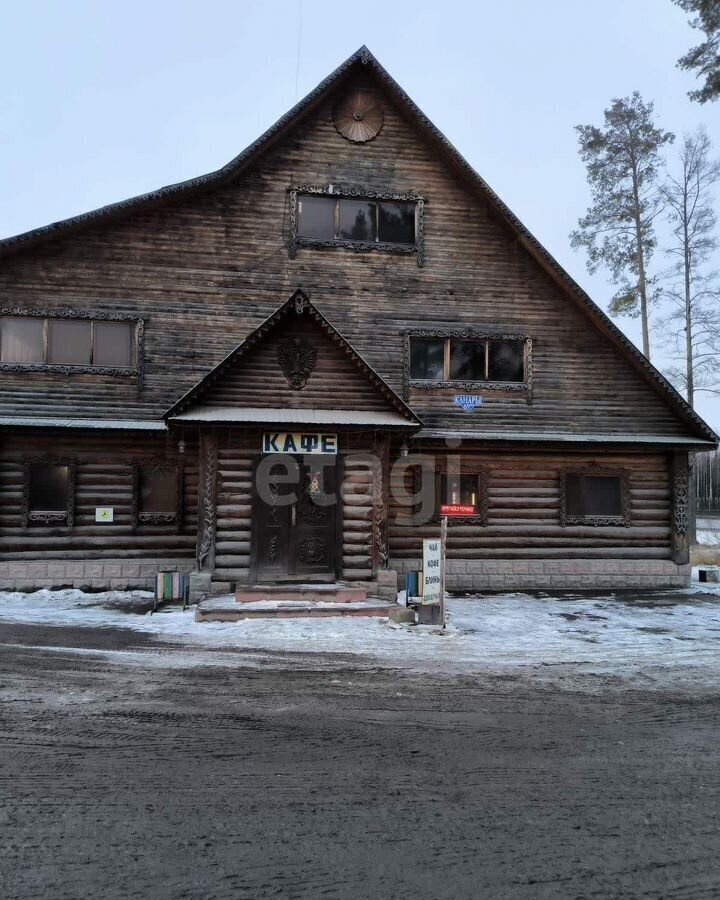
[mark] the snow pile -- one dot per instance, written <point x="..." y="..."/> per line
<point x="667" y="640"/>
<point x="708" y="537"/>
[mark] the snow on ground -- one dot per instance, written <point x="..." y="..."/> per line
<point x="669" y="640"/>
<point x="708" y="538"/>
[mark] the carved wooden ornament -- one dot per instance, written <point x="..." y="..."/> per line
<point x="359" y="117"/>
<point x="297" y="361"/>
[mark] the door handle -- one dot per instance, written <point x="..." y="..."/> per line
<point x="292" y="516"/>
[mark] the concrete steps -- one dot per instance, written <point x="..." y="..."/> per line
<point x="310" y="593"/>
<point x="225" y="609"/>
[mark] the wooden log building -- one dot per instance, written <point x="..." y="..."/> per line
<point x="281" y="370"/>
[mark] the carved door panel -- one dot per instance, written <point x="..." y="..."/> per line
<point x="296" y="540"/>
<point x="272" y="511"/>
<point x="313" y="535"/>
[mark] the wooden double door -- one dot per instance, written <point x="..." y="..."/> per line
<point x="296" y="516"/>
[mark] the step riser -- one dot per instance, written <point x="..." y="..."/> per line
<point x="336" y="595"/>
<point x="237" y="615"/>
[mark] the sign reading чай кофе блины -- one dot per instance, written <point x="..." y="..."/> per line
<point x="299" y="442"/>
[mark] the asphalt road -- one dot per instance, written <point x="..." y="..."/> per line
<point x="164" y="781"/>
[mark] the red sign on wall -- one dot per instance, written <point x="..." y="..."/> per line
<point x="456" y="509"/>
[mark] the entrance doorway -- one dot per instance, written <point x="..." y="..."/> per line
<point x="296" y="516"/>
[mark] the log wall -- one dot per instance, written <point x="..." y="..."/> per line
<point x="523" y="516"/>
<point x="104" y="477"/>
<point x="204" y="270"/>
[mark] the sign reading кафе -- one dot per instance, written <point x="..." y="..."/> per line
<point x="299" y="442"/>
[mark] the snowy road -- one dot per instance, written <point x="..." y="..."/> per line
<point x="544" y="748"/>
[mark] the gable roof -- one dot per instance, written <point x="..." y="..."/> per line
<point x="363" y="57"/>
<point x="398" y="413"/>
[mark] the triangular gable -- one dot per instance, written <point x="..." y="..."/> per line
<point x="453" y="158"/>
<point x="294" y="365"/>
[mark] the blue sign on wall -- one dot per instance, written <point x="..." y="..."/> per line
<point x="468" y="402"/>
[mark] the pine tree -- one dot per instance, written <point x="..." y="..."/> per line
<point x="623" y="163"/>
<point x="693" y="324"/>
<point x="704" y="59"/>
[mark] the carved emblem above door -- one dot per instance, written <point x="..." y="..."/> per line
<point x="297" y="360"/>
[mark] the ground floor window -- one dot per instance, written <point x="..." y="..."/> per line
<point x="157" y="494"/>
<point x="593" y="497"/>
<point x="49" y="492"/>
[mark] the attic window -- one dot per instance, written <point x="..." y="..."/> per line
<point x="356" y="220"/>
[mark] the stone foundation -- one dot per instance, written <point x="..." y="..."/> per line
<point x="88" y="574"/>
<point x="556" y="574"/>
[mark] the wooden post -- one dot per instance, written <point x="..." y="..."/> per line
<point x="380" y="489"/>
<point x="207" y="501"/>
<point x="443" y="545"/>
<point x="680" y="508"/>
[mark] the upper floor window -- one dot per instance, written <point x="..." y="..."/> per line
<point x="336" y="218"/>
<point x="70" y="341"/>
<point x="351" y="219"/>
<point x="450" y="359"/>
<point x="67" y="342"/>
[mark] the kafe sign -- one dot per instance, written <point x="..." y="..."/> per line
<point x="299" y="442"/>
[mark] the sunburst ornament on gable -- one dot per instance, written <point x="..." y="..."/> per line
<point x="358" y="117"/>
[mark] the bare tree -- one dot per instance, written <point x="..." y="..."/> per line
<point x="623" y="162"/>
<point x="693" y="324"/>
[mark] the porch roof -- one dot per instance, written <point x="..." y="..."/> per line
<point x="217" y="415"/>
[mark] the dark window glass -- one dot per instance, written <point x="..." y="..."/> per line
<point x="507" y="361"/>
<point x="158" y="489"/>
<point x="316" y="217"/>
<point x="69" y="342"/>
<point x="427" y="359"/>
<point x="396" y="222"/>
<point x="48" y="488"/>
<point x="573" y="495"/>
<point x="459" y="489"/>
<point x="21" y="340"/>
<point x="602" y="495"/>
<point x="467" y="360"/>
<point x="356" y="220"/>
<point x="113" y="344"/>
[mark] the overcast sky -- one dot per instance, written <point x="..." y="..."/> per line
<point x="100" y="101"/>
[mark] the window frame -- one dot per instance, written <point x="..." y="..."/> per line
<point x="135" y="371"/>
<point x="174" y="517"/>
<point x="469" y="334"/>
<point x="48" y="517"/>
<point x="469" y="467"/>
<point x="357" y="192"/>
<point x="623" y="519"/>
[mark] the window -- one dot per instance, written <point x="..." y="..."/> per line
<point x="355" y="219"/>
<point x="337" y="217"/>
<point x="157" y="494"/>
<point x="456" y="359"/>
<point x="459" y="490"/>
<point x="426" y="491"/>
<point x="49" y="492"/>
<point x="68" y="341"/>
<point x="594" y="498"/>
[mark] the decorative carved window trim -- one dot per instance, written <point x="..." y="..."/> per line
<point x="137" y="371"/>
<point x="137" y="517"/>
<point x="623" y="520"/>
<point x="418" y="248"/>
<point x="468" y="467"/>
<point x="48" y="517"/>
<point x="521" y="387"/>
